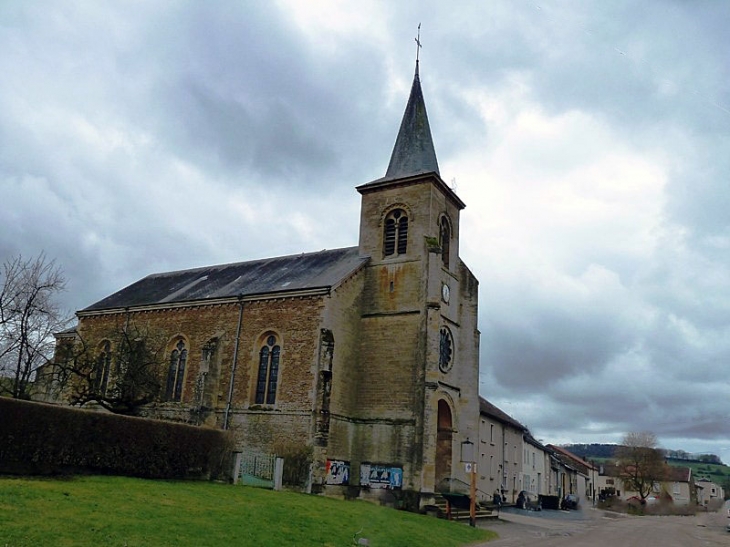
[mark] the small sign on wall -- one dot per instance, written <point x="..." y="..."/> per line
<point x="381" y="476"/>
<point x="338" y="472"/>
<point x="469" y="466"/>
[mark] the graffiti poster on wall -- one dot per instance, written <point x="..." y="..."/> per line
<point x="381" y="476"/>
<point x="338" y="472"/>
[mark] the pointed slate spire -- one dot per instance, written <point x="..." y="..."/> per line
<point x="413" y="153"/>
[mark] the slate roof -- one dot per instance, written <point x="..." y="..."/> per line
<point x="567" y="457"/>
<point x="679" y="474"/>
<point x="485" y="407"/>
<point x="319" y="270"/>
<point x="533" y="441"/>
<point x="413" y="153"/>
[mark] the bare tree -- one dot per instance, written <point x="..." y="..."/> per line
<point x="29" y="315"/>
<point x="121" y="375"/>
<point x="641" y="463"/>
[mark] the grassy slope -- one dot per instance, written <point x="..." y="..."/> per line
<point x="119" y="511"/>
<point x="717" y="473"/>
<point x="712" y="471"/>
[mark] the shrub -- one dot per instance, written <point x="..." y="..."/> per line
<point x="37" y="438"/>
<point x="297" y="463"/>
<point x="633" y="507"/>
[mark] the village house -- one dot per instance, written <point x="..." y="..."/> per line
<point x="708" y="491"/>
<point x="677" y="486"/>
<point x="573" y="475"/>
<point x="500" y="452"/>
<point x="511" y="460"/>
<point x="536" y="468"/>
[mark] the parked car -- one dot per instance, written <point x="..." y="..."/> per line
<point x="649" y="500"/>
<point x="569" y="502"/>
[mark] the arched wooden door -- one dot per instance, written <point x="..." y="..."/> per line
<point x="444" y="438"/>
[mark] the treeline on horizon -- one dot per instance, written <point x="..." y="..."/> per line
<point x="600" y="450"/>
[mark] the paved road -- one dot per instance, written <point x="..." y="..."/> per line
<point x="596" y="528"/>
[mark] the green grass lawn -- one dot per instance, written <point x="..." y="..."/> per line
<point x="120" y="511"/>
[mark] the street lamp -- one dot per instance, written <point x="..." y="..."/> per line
<point x="469" y="458"/>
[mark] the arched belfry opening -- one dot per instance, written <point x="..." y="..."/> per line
<point x="444" y="439"/>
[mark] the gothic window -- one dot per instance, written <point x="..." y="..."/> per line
<point x="103" y="368"/>
<point x="445" y="240"/>
<point x="176" y="372"/>
<point x="268" y="375"/>
<point x="395" y="235"/>
<point x="446" y="350"/>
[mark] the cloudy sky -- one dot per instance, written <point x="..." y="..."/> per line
<point x="589" y="141"/>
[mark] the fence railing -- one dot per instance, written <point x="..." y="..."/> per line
<point x="258" y="469"/>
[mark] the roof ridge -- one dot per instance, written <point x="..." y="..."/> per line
<point x="303" y="271"/>
<point x="240" y="262"/>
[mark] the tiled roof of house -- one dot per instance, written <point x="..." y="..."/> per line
<point x="319" y="270"/>
<point x="679" y="474"/>
<point x="533" y="441"/>
<point x="571" y="457"/>
<point x="487" y="408"/>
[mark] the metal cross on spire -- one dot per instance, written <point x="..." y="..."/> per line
<point x="418" y="45"/>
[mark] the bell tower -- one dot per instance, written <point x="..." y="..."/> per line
<point x="418" y="360"/>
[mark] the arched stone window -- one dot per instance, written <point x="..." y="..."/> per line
<point x="395" y="233"/>
<point x="268" y="374"/>
<point x="445" y="240"/>
<point x="176" y="371"/>
<point x="103" y="368"/>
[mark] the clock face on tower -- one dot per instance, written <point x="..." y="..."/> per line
<point x="445" y="292"/>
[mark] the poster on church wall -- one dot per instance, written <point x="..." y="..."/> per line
<point x="381" y="476"/>
<point x="338" y="472"/>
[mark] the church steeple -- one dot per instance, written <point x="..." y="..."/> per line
<point x="413" y="153"/>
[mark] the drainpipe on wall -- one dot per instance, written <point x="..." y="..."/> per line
<point x="235" y="362"/>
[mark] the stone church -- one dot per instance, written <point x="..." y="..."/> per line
<point x="366" y="355"/>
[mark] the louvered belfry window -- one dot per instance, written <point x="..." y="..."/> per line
<point x="445" y="240"/>
<point x="395" y="235"/>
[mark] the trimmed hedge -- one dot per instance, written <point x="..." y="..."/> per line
<point x="38" y="438"/>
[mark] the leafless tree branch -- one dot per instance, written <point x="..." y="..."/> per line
<point x="29" y="316"/>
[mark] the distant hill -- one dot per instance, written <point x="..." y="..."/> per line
<point x="592" y="451"/>
<point x="600" y="451"/>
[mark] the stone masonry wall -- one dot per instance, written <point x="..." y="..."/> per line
<point x="295" y="321"/>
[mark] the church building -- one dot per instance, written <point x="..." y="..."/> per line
<point x="368" y="356"/>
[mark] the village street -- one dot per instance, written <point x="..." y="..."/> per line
<point x="593" y="528"/>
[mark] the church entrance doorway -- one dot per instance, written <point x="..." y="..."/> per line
<point x="444" y="439"/>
